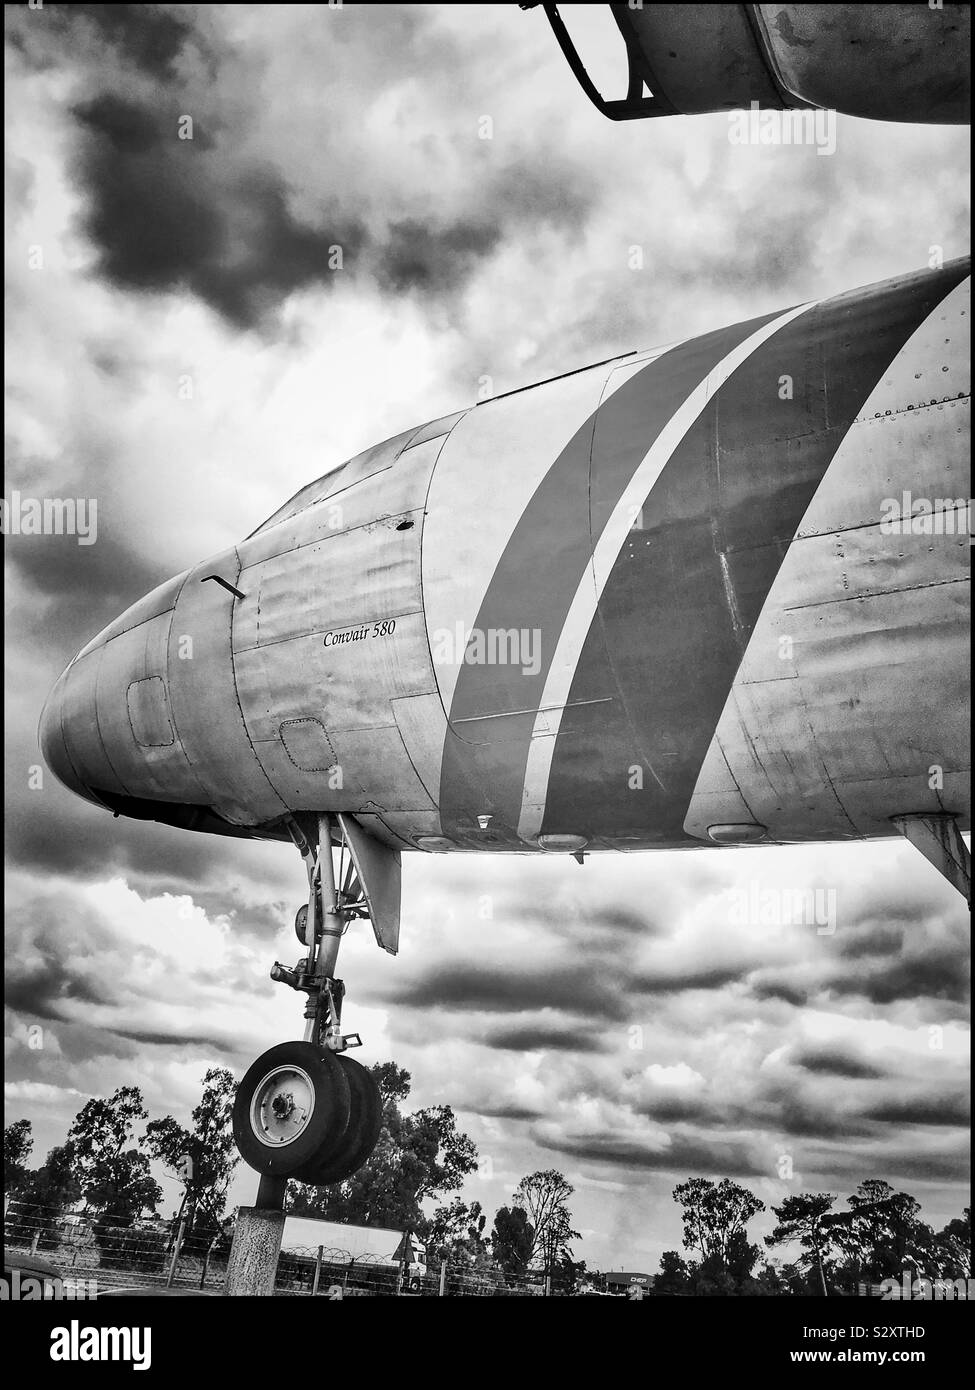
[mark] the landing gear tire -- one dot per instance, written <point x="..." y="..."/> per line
<point x="361" y="1135"/>
<point x="292" y="1108"/>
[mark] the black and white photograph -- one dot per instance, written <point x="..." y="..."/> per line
<point x="487" y="535"/>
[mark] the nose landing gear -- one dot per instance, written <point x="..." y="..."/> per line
<point x="304" y="1110"/>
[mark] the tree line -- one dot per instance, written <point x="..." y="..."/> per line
<point x="105" y="1165"/>
<point x="878" y="1236"/>
<point x="421" y="1162"/>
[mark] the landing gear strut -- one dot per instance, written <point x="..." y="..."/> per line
<point x="304" y="1110"/>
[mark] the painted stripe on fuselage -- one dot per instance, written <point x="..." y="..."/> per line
<point x="686" y="590"/>
<point x="836" y="735"/>
<point x="606" y="550"/>
<point x="485" y="477"/>
<point x="547" y="557"/>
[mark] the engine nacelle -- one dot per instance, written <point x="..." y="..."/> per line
<point x="884" y="62"/>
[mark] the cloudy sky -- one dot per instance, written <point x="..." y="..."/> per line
<point x="617" y="1021"/>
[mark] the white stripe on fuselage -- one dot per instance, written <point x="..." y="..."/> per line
<point x="491" y="466"/>
<point x="582" y="611"/>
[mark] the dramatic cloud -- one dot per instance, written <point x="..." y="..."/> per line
<point x="834" y="1061"/>
<point x="380" y="209"/>
<point x="183" y="191"/>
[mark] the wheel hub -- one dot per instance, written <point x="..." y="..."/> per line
<point x="282" y="1106"/>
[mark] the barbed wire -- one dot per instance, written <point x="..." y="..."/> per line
<point x="84" y="1245"/>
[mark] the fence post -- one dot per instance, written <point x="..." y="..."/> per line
<point x="318" y="1271"/>
<point x="206" y="1259"/>
<point x="548" y="1286"/>
<point x="443" y="1278"/>
<point x="177" y="1246"/>
<point x="33" y="1241"/>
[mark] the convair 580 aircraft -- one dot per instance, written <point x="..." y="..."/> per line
<point x="711" y="594"/>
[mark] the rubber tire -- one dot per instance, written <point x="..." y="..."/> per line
<point x="361" y="1135"/>
<point x="329" y="1121"/>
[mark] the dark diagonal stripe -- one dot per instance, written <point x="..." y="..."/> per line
<point x="686" y="591"/>
<point x="537" y="577"/>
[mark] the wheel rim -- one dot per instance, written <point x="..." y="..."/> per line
<point x="282" y="1106"/>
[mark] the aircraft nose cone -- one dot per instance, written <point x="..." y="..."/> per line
<point x="53" y="747"/>
<point x="154" y="683"/>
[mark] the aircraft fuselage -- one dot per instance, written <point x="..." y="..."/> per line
<point x="713" y="592"/>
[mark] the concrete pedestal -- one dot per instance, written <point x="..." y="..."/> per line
<point x="254" y="1253"/>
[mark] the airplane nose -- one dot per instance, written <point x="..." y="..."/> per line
<point x="53" y="745"/>
<point x="85" y="730"/>
<point x="70" y="735"/>
<point x="145" y="721"/>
